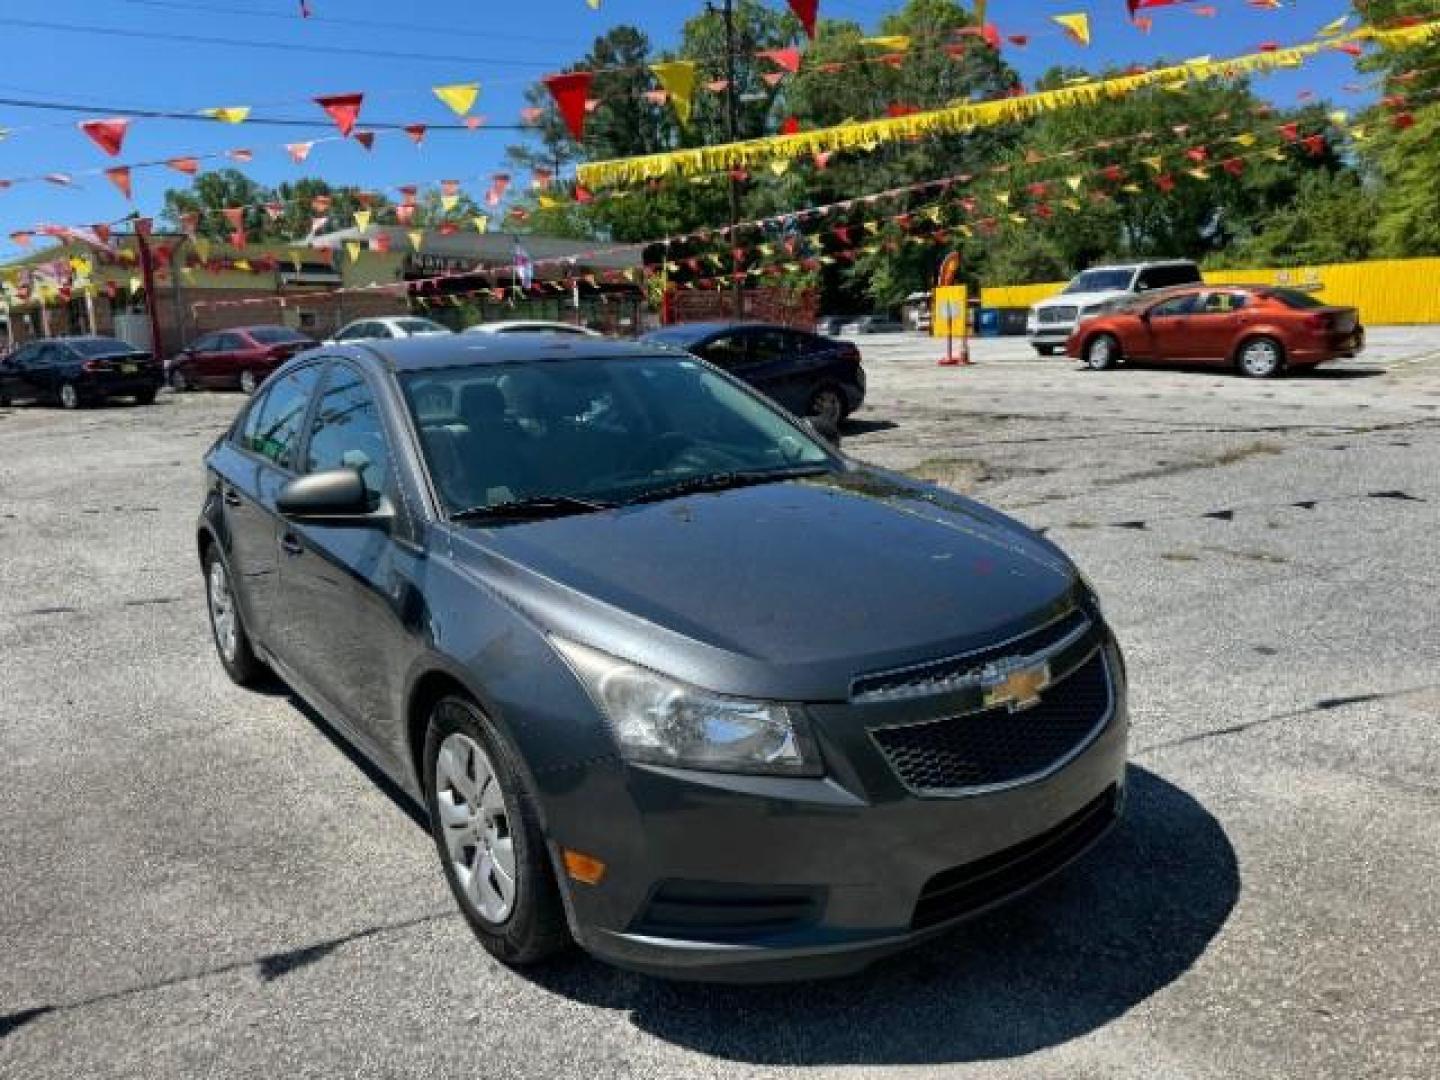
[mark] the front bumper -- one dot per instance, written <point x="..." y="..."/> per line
<point x="735" y="878"/>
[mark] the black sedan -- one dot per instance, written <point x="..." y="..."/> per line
<point x="809" y="374"/>
<point x="673" y="678"/>
<point x="74" y="371"/>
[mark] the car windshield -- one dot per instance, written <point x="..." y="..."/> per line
<point x="577" y="434"/>
<point x="276" y="335"/>
<point x="100" y="346"/>
<point x="1293" y="298"/>
<point x="421" y="326"/>
<point x="1101" y="281"/>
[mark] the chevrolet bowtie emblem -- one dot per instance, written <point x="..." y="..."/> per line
<point x="1016" y="688"/>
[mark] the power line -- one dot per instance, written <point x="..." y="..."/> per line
<point x="164" y="114"/>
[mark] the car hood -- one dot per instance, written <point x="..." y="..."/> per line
<point x="785" y="590"/>
<point x="1081" y="299"/>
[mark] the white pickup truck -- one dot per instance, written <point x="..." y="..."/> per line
<point x="1052" y="321"/>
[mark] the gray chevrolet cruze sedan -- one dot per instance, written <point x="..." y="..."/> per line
<point x="674" y="678"/>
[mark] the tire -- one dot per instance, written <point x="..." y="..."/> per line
<point x="1102" y="352"/>
<point x="69" y="395"/>
<point x="1260" y="358"/>
<point x="232" y="641"/>
<point x="145" y="397"/>
<point x="248" y="382"/>
<point x="827" y="403"/>
<point x="1045" y="350"/>
<point x="180" y="382"/>
<point x="527" y="924"/>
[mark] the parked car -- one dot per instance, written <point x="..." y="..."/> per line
<point x="671" y="676"/>
<point x="1258" y="329"/>
<point x="530" y="326"/>
<point x="829" y="325"/>
<point x="1051" y="322"/>
<point x="387" y="329"/>
<point x="809" y="374"/>
<point x="241" y="357"/>
<point x="873" y="324"/>
<point x="75" y="371"/>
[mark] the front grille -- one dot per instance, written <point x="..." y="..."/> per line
<point x="967" y="889"/>
<point x="999" y="747"/>
<point x="1049" y="316"/>
<point x="710" y="911"/>
<point x="937" y="676"/>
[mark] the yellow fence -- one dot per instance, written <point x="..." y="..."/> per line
<point x="1387" y="291"/>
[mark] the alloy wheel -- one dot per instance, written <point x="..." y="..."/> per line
<point x="1260" y="358"/>
<point x="69" y="396"/>
<point x="827" y="405"/>
<point x="477" y="827"/>
<point x="1101" y="353"/>
<point x="222" y="612"/>
<point x="247" y="382"/>
<point x="178" y="382"/>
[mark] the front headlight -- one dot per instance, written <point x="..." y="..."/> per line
<point x="659" y="720"/>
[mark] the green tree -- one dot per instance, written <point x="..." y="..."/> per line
<point x="213" y="192"/>
<point x="1330" y="220"/>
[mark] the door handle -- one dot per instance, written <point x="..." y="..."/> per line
<point x="231" y="496"/>
<point x="290" y="544"/>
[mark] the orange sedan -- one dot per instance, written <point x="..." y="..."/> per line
<point x="1258" y="329"/>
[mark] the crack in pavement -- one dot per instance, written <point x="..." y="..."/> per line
<point x="269" y="967"/>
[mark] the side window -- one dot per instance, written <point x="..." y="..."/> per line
<point x="272" y="429"/>
<point x="205" y="344"/>
<point x="1223" y="303"/>
<point x="347" y="432"/>
<point x="1176" y="305"/>
<point x="728" y="351"/>
<point x="48" y="356"/>
<point x="250" y="429"/>
<point x="229" y="343"/>
<point x="1165" y="277"/>
<point x="769" y="346"/>
<point x="23" y="356"/>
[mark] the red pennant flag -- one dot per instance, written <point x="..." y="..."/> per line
<point x="187" y="165"/>
<point x="1350" y="48"/>
<point x="1018" y="40"/>
<point x="1403" y="120"/>
<point x="791" y="126"/>
<point x="1234" y="166"/>
<point x="1315" y="144"/>
<point x="990" y="34"/>
<point x="789" y="59"/>
<point x="822" y="159"/>
<point x="405" y="213"/>
<point x="242" y="156"/>
<point x="344" y="109"/>
<point x="299" y="151"/>
<point x="416" y="133"/>
<point x="365" y="139"/>
<point x="237" y="239"/>
<point x="275" y="210"/>
<point x="805" y="11"/>
<point x="1197" y="154"/>
<point x="1165" y="182"/>
<point x="120" y="177"/>
<point x="1291" y="131"/>
<point x="570" y="91"/>
<point x="109" y="135"/>
<point x="380" y="242"/>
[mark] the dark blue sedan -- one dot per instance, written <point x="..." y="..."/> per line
<point x="809" y="374"/>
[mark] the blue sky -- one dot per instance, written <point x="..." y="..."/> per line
<point x="504" y="44"/>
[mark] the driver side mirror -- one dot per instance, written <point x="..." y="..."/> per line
<point x="824" y="429"/>
<point x="333" y="497"/>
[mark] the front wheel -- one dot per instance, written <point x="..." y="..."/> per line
<point x="69" y="396"/>
<point x="1261" y="358"/>
<point x="179" y="381"/>
<point x="1102" y="352"/>
<point x="146" y="397"/>
<point x="487" y="832"/>
<point x="828" y="404"/>
<point x="248" y="382"/>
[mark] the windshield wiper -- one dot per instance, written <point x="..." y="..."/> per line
<point x="532" y="508"/>
<point x="723" y="481"/>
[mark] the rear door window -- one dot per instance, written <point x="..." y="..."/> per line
<point x="1223" y="303"/>
<point x="205" y="344"/>
<point x="347" y="432"/>
<point x="229" y="343"/>
<point x="728" y="351"/>
<point x="1164" y="277"/>
<point x="772" y="346"/>
<point x="275" y="424"/>
<point x="1176" y="305"/>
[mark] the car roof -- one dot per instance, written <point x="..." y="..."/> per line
<point x="696" y="330"/>
<point x="511" y="324"/>
<point x="463" y="350"/>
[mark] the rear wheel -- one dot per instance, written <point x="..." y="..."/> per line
<point x="827" y="403"/>
<point x="179" y="381"/>
<point x="248" y="381"/>
<point x="145" y="397"/>
<point x="1101" y="352"/>
<point x="487" y="832"/>
<point x="1260" y="358"/>
<point x="69" y="396"/>
<point x="1045" y="350"/>
<point x="226" y="624"/>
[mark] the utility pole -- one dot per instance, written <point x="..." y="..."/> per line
<point x="732" y="125"/>
<point x="147" y="277"/>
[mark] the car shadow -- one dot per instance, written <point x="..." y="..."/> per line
<point x="1079" y="952"/>
<point x="865" y="427"/>
<point x="1320" y="373"/>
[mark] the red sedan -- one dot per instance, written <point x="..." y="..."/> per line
<point x="242" y="356"/>
<point x="1258" y="329"/>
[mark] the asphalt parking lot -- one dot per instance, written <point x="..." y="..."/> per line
<point x="201" y="881"/>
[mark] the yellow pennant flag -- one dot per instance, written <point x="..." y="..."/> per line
<point x="1157" y="163"/>
<point x="780" y="166"/>
<point x="1338" y="117"/>
<point x="594" y="4"/>
<point x="1132" y="188"/>
<point x="1077" y="25"/>
<point x="1198" y="174"/>
<point x="449" y="202"/>
<point x="1075" y="182"/>
<point x="416" y="238"/>
<point x="482" y="224"/>
<point x="202" y="248"/>
<point x="136" y="283"/>
<point x="1003" y="198"/>
<point x="234" y="114"/>
<point x="459" y="96"/>
<point x="678" y="79"/>
<point x="352" y="248"/>
<point x="893" y="42"/>
<point x="1330" y="29"/>
<point x="1359" y="132"/>
<point x="1275" y="154"/>
<point x="548" y="202"/>
<point x="1069" y="204"/>
<point x="362" y="220"/>
<point x="242" y="265"/>
<point x="1245" y="138"/>
<point x="872" y="227"/>
<point x="933" y="214"/>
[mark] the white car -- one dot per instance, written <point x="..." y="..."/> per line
<point x="530" y="326"/>
<point x="1051" y="322"/>
<point x="387" y="329"/>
